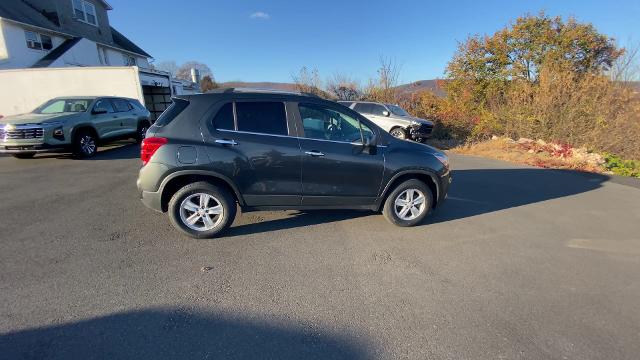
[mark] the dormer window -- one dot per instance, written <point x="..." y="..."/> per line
<point x="85" y="11"/>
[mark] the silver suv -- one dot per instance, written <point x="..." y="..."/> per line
<point x="393" y="119"/>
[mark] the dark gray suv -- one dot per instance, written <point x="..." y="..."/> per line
<point x="267" y="150"/>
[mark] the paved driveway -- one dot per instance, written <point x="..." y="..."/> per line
<point x="519" y="263"/>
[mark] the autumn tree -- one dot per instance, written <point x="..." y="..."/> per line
<point x="383" y="87"/>
<point x="207" y="84"/>
<point x="308" y="81"/>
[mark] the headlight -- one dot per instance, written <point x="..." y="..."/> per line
<point x="443" y="159"/>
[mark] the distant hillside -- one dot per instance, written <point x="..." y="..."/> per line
<point x="434" y="86"/>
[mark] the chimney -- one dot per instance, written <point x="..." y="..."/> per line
<point x="195" y="75"/>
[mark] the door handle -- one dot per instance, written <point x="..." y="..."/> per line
<point x="314" y="153"/>
<point x="226" y="142"/>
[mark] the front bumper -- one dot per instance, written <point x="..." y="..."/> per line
<point x="445" y="181"/>
<point x="29" y="149"/>
<point x="422" y="131"/>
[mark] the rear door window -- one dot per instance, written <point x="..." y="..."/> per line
<point x="363" y="108"/>
<point x="104" y="104"/>
<point x="263" y="117"/>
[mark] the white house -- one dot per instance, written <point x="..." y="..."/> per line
<point x="59" y="33"/>
<point x="76" y="33"/>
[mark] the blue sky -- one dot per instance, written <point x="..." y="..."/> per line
<point x="269" y="40"/>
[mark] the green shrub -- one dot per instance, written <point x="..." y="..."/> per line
<point x="622" y="167"/>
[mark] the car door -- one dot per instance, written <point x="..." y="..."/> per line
<point x="338" y="169"/>
<point x="127" y="121"/>
<point x="250" y="142"/>
<point x="375" y="113"/>
<point x="104" y="118"/>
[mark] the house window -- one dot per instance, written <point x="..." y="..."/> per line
<point x="33" y="40"/>
<point x="129" y="60"/>
<point x="38" y="41"/>
<point x="85" y="11"/>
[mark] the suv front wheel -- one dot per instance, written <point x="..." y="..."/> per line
<point x="202" y="210"/>
<point x="408" y="204"/>
<point x="85" y="144"/>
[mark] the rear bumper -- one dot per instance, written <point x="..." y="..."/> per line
<point x="152" y="200"/>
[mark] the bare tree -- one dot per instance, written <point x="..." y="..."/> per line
<point x="169" y="66"/>
<point x="382" y="88"/>
<point x="308" y="81"/>
<point x="343" y="87"/>
<point x="627" y="67"/>
<point x="184" y="71"/>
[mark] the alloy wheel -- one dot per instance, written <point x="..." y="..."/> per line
<point x="409" y="204"/>
<point x="201" y="212"/>
<point x="87" y="144"/>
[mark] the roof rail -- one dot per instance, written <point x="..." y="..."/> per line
<point x="260" y="90"/>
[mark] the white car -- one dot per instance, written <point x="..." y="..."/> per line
<point x="393" y="119"/>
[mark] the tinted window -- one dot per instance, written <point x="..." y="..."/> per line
<point x="345" y="103"/>
<point x="328" y="124"/>
<point x="262" y="117"/>
<point x="121" y="105"/>
<point x="224" y="117"/>
<point x="362" y="108"/>
<point x="136" y="105"/>
<point x="104" y="104"/>
<point x="367" y="133"/>
<point x="172" y="111"/>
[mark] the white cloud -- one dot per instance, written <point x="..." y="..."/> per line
<point x="260" y="15"/>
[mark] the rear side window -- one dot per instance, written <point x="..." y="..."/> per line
<point x="262" y="117"/>
<point x="136" y="105"/>
<point x="224" y="117"/>
<point x="121" y="105"/>
<point x="172" y="111"/>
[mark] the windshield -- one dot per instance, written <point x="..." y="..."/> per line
<point x="57" y="106"/>
<point x="397" y="110"/>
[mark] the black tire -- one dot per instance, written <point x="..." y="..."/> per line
<point x="389" y="209"/>
<point x="221" y="195"/>
<point x="398" y="132"/>
<point x="82" y="141"/>
<point x="24" y="155"/>
<point x="143" y="126"/>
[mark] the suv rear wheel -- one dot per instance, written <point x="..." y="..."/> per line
<point x="408" y="204"/>
<point x="202" y="210"/>
<point x="85" y="144"/>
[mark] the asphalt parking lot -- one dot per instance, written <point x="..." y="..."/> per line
<point x="519" y="263"/>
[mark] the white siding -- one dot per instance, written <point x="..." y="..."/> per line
<point x="16" y="54"/>
<point x="116" y="58"/>
<point x="84" y="53"/>
<point x="32" y="87"/>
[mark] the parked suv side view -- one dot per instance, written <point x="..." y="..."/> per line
<point x="393" y="119"/>
<point x="266" y="150"/>
<point x="76" y="124"/>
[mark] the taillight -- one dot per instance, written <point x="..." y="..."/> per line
<point x="149" y="147"/>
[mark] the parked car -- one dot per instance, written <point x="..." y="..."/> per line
<point x="76" y="124"/>
<point x="278" y="150"/>
<point x="393" y="119"/>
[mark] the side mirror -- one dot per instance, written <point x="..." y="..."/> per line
<point x="97" y="111"/>
<point x="386" y="113"/>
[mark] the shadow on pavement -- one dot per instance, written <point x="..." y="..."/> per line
<point x="297" y="220"/>
<point x="177" y="334"/>
<point x="120" y="150"/>
<point x="479" y="191"/>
